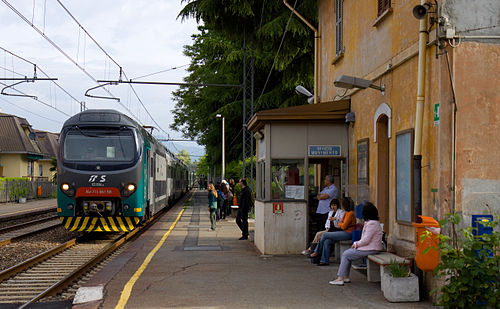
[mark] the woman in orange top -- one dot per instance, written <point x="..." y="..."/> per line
<point x="346" y="225"/>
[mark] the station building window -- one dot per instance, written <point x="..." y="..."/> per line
<point x="287" y="179"/>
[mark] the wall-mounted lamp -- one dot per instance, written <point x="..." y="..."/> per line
<point x="303" y="91"/>
<point x="349" y="82"/>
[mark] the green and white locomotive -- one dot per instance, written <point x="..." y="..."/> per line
<point x="113" y="174"/>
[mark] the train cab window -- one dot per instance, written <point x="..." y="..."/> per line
<point x="108" y="147"/>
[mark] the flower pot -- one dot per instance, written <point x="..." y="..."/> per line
<point x="22" y="200"/>
<point x="403" y="289"/>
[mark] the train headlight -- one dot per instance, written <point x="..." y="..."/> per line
<point x="68" y="189"/>
<point x="128" y="189"/>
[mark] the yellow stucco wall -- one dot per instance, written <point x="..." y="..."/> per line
<point x="386" y="54"/>
<point x="14" y="165"/>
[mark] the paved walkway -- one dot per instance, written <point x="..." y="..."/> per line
<point x="15" y="209"/>
<point x="191" y="267"/>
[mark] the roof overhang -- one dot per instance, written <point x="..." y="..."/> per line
<point x="322" y="112"/>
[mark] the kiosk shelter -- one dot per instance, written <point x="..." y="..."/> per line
<point x="296" y="148"/>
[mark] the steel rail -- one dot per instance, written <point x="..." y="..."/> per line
<point x="29" y="233"/>
<point x="80" y="271"/>
<point x="24" y="224"/>
<point x="14" y="270"/>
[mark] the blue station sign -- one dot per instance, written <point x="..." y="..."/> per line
<point x="324" y="150"/>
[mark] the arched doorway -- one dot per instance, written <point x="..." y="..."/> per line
<point x="382" y="139"/>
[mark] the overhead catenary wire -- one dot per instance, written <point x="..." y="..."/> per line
<point x="117" y="64"/>
<point x="162" y="71"/>
<point x="30" y="112"/>
<point x="38" y="100"/>
<point x="39" y="69"/>
<point x="60" y="50"/>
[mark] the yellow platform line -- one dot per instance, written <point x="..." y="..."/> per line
<point x="130" y="284"/>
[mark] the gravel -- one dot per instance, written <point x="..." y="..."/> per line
<point x="31" y="246"/>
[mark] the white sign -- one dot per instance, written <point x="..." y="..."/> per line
<point x="294" y="192"/>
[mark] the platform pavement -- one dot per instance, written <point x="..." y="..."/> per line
<point x="198" y="268"/>
<point x="14" y="209"/>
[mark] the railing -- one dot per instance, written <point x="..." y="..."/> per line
<point x="13" y="189"/>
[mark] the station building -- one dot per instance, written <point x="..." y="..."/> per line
<point x="432" y="93"/>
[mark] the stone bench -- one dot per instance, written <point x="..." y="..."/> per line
<point x="375" y="261"/>
<point x="340" y="247"/>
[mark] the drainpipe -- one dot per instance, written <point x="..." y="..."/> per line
<point x="316" y="50"/>
<point x="417" y="151"/>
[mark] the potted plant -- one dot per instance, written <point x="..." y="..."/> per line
<point x="398" y="284"/>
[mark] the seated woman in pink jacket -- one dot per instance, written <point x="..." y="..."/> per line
<point x="370" y="243"/>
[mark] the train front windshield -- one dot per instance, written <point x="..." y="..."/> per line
<point x="112" y="148"/>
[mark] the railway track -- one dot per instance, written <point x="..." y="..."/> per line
<point x="51" y="272"/>
<point x="14" y="232"/>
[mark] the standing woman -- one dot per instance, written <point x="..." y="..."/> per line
<point x="212" y="204"/>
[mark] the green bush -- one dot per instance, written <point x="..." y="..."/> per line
<point x="470" y="266"/>
<point x="398" y="270"/>
<point x="17" y="187"/>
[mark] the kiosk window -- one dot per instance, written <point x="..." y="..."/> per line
<point x="287" y="179"/>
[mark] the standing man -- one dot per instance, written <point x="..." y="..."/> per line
<point x="328" y="193"/>
<point x="244" y="207"/>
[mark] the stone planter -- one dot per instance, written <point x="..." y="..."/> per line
<point x="22" y="200"/>
<point x="399" y="289"/>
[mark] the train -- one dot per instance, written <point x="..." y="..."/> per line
<point x="112" y="174"/>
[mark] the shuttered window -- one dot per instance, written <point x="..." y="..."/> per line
<point x="339" y="49"/>
<point x="383" y="5"/>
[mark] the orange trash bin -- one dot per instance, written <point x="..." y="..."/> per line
<point x="429" y="260"/>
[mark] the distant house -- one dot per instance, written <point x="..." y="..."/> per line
<point x="25" y="152"/>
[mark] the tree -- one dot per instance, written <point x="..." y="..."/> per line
<point x="184" y="156"/>
<point x="217" y="57"/>
<point x="202" y="168"/>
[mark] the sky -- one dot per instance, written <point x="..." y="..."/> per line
<point x="142" y="37"/>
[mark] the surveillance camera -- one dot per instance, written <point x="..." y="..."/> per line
<point x="350" y="117"/>
<point x="420" y="11"/>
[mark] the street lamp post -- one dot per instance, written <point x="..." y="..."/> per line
<point x="223" y="146"/>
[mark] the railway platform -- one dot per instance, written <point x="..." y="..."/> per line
<point x="179" y="263"/>
<point x="8" y="210"/>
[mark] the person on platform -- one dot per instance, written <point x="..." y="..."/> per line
<point x="334" y="216"/>
<point x="220" y="200"/>
<point x="212" y="205"/>
<point x="243" y="208"/>
<point x="346" y="225"/>
<point x="228" y="197"/>
<point x="370" y="243"/>
<point x="328" y="193"/>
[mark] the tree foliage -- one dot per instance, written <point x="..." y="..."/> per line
<point x="184" y="156"/>
<point x="217" y="58"/>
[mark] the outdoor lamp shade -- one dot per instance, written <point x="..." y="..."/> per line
<point x="349" y="82"/>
